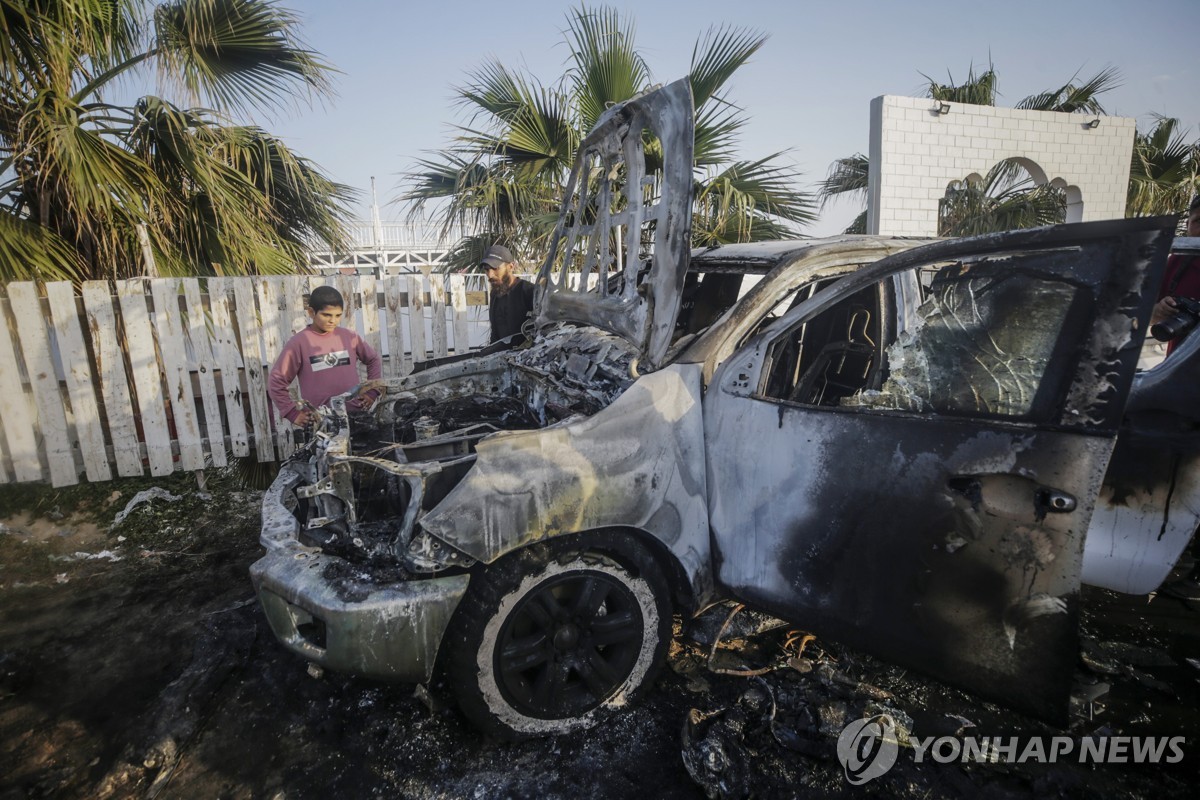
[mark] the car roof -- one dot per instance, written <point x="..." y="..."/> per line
<point x="759" y="258"/>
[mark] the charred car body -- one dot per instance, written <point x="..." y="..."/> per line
<point x="899" y="444"/>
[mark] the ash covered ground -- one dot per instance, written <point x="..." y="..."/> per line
<point x="135" y="662"/>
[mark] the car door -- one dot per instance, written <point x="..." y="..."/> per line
<point x="928" y="502"/>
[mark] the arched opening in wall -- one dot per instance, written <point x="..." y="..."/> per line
<point x="1013" y="194"/>
<point x="1074" y="200"/>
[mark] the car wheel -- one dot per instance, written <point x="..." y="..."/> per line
<point x="544" y="642"/>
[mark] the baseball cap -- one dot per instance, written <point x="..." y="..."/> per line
<point x="496" y="255"/>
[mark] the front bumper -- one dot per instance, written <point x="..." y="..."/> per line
<point x="391" y="633"/>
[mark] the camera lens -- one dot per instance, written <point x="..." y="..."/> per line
<point x="1173" y="326"/>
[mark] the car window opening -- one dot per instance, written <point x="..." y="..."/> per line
<point x="980" y="341"/>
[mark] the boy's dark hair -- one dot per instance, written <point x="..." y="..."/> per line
<point x="323" y="297"/>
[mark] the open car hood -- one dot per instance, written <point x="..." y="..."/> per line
<point x="620" y="249"/>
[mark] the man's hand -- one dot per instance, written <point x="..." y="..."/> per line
<point x="302" y="418"/>
<point x="1163" y="309"/>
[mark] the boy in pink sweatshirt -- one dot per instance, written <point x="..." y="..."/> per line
<point x="323" y="357"/>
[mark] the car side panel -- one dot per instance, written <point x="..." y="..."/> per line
<point x="639" y="463"/>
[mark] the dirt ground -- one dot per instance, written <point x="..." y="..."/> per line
<point x="135" y="662"/>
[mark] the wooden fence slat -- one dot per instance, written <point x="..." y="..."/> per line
<point x="81" y="388"/>
<point x="114" y="381"/>
<point x="267" y="289"/>
<point x="249" y="328"/>
<point x="292" y="320"/>
<point x="229" y="361"/>
<point x="206" y="368"/>
<point x="416" y="317"/>
<point x="51" y="416"/>
<point x="458" y="301"/>
<point x="270" y="309"/>
<point x="181" y="405"/>
<point x="18" y="417"/>
<point x="370" y="315"/>
<point x="399" y="363"/>
<point x="147" y="377"/>
<point x="348" y="286"/>
<point x="437" y="315"/>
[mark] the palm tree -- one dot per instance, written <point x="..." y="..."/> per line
<point x="1164" y="173"/>
<point x="503" y="174"/>
<point x="1005" y="199"/>
<point x="848" y="178"/>
<point x="88" y="185"/>
<point x="977" y="90"/>
<point x="1009" y="196"/>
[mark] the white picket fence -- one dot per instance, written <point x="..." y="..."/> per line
<point x="170" y="373"/>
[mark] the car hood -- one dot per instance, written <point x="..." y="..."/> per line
<point x="620" y="249"/>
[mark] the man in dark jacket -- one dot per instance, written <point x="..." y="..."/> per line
<point x="511" y="297"/>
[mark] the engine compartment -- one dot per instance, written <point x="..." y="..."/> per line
<point x="372" y="476"/>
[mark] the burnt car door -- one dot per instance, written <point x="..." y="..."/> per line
<point x="907" y="462"/>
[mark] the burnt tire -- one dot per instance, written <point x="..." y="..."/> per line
<point x="548" y="639"/>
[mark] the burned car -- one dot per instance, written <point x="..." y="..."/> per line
<point x="903" y="445"/>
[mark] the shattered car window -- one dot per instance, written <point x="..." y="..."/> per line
<point x="984" y="338"/>
<point x="962" y="338"/>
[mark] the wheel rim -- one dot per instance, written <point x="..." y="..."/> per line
<point x="569" y="645"/>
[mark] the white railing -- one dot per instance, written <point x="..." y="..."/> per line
<point x="393" y="235"/>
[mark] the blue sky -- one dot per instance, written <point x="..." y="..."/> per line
<point x="807" y="91"/>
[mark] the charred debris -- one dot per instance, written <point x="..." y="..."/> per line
<point x="388" y="467"/>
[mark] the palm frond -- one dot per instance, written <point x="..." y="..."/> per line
<point x="999" y="202"/>
<point x="242" y="54"/>
<point x="1070" y="98"/>
<point x="847" y="177"/>
<point x="858" y="225"/>
<point x="434" y="179"/>
<point x="264" y="203"/>
<point x="978" y="89"/>
<point x="606" y="66"/>
<point x="746" y="195"/>
<point x="48" y="42"/>
<point x="493" y="91"/>
<point x="525" y="123"/>
<point x="84" y="185"/>
<point x="29" y="251"/>
<point x="717" y="56"/>
<point x="716" y="135"/>
<point x="541" y="137"/>
<point x="1164" y="171"/>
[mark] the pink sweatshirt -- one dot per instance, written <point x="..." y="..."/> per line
<point x="325" y="365"/>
